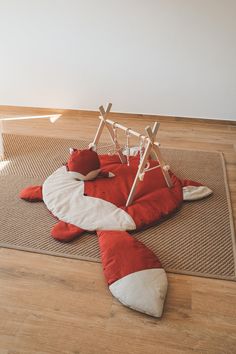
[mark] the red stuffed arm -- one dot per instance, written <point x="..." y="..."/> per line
<point x="32" y="194"/>
<point x="134" y="273"/>
<point x="65" y="232"/>
<point x="194" y="190"/>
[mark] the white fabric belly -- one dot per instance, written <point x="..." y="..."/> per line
<point x="64" y="197"/>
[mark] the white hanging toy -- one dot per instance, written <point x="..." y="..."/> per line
<point x="127" y="146"/>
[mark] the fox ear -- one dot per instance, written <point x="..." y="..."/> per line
<point x="72" y="150"/>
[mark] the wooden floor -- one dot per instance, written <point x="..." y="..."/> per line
<point x="62" y="306"/>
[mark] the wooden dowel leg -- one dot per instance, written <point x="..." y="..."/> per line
<point x="104" y="112"/>
<point x="98" y="134"/>
<point x="102" y="123"/>
<point x="162" y="164"/>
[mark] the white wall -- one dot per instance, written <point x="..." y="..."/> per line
<point x="170" y="57"/>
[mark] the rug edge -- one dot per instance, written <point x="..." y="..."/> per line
<point x="96" y="260"/>
<point x="231" y="217"/>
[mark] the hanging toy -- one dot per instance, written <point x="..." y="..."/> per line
<point x="115" y="144"/>
<point x="141" y="147"/>
<point x="127" y="146"/>
<point x="115" y="133"/>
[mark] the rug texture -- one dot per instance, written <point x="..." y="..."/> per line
<point x="197" y="240"/>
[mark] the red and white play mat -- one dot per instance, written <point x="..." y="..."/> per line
<point x="112" y="194"/>
<point x="134" y="274"/>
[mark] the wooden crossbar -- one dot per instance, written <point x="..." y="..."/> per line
<point x="151" y="145"/>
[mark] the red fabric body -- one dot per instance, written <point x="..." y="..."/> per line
<point x="32" y="194"/>
<point x="153" y="200"/>
<point x="189" y="182"/>
<point x="83" y="161"/>
<point x="122" y="255"/>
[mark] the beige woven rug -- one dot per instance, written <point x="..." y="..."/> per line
<point x="197" y="240"/>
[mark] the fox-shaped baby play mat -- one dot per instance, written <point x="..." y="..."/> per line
<point x="114" y="193"/>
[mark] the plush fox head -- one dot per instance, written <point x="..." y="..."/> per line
<point x="84" y="164"/>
